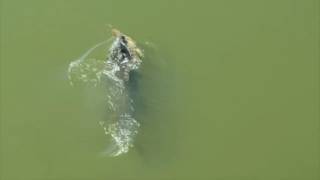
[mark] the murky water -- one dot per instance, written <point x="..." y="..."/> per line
<point x="227" y="90"/>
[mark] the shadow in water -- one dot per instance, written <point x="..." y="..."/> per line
<point x="152" y="91"/>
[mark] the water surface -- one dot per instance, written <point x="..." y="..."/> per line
<point x="229" y="91"/>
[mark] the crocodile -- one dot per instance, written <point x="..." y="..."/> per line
<point x="125" y="53"/>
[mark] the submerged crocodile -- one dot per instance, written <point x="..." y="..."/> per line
<point x="123" y="58"/>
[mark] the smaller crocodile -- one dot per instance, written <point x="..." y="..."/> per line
<point x="125" y="53"/>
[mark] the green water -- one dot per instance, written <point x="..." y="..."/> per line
<point x="234" y="95"/>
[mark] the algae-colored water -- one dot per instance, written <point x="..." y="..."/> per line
<point x="229" y="91"/>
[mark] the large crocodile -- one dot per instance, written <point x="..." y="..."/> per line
<point x="113" y="76"/>
<point x="123" y="58"/>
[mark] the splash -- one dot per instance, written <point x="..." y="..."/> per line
<point x="85" y="69"/>
<point x="112" y="74"/>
